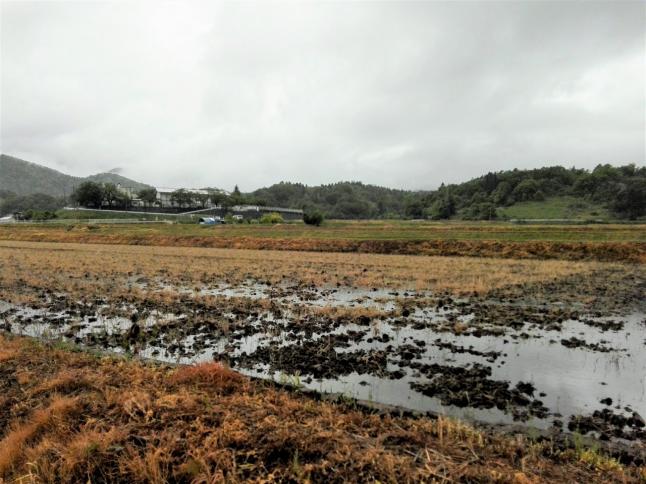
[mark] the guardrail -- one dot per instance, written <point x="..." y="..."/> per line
<point x="246" y="208"/>
<point x="96" y="221"/>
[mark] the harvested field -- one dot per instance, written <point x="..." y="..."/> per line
<point x="52" y="264"/>
<point x="547" y="349"/>
<point x="590" y="242"/>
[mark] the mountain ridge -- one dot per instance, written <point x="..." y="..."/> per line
<point x="23" y="177"/>
<point x="564" y="192"/>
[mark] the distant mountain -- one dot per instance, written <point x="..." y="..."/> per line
<point x="25" y="178"/>
<point x="551" y="192"/>
<point x="116" y="179"/>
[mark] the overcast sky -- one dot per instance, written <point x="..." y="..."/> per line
<point x="400" y="94"/>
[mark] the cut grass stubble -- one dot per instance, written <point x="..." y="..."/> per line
<point x="66" y="266"/>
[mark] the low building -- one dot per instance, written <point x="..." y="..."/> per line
<point x="165" y="196"/>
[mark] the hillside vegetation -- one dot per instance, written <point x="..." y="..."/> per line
<point x="552" y="208"/>
<point x="551" y="192"/>
<point x="21" y="177"/>
<point x="607" y="192"/>
<point x="29" y="186"/>
<point x="24" y="178"/>
<point x="343" y="200"/>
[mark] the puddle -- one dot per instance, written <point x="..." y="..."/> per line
<point x="568" y="380"/>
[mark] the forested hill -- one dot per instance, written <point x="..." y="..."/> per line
<point x="619" y="191"/>
<point x="340" y="200"/>
<point x="551" y="192"/>
<point x="22" y="177"/>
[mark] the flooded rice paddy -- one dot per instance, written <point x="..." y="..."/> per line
<point x="532" y="356"/>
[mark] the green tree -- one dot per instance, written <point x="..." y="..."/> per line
<point x="216" y="197"/>
<point x="36" y="202"/>
<point x="122" y="200"/>
<point x="489" y="182"/>
<point x="313" y="217"/>
<point x="502" y="194"/>
<point x="88" y="194"/>
<point x="481" y="211"/>
<point x="110" y="193"/>
<point x="182" y="198"/>
<point x="202" y="199"/>
<point x="236" y="197"/>
<point x="148" y="196"/>
<point x="414" y="208"/>
<point x="528" y="189"/>
<point x="630" y="200"/>
<point x="442" y="208"/>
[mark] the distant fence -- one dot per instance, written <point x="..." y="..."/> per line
<point x="139" y="212"/>
<point x="246" y="208"/>
<point x="235" y="208"/>
<point x="94" y="221"/>
<point x="556" y="221"/>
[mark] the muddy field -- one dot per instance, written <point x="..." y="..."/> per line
<point x="556" y="346"/>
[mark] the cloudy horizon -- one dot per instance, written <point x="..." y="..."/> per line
<point x="405" y="95"/>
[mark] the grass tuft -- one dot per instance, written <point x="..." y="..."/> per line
<point x="213" y="376"/>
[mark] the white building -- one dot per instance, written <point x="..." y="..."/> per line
<point x="164" y="195"/>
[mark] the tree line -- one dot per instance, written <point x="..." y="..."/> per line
<point x="621" y="189"/>
<point x="34" y="206"/>
<point x="107" y="195"/>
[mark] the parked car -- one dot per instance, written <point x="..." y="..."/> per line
<point x="210" y="221"/>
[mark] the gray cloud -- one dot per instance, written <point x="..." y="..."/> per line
<point x="398" y="94"/>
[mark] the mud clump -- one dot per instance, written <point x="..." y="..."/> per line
<point x="608" y="424"/>
<point x="575" y="342"/>
<point x="471" y="386"/>
<point x="316" y="358"/>
<point x="491" y="356"/>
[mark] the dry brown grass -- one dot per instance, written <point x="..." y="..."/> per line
<point x="140" y="423"/>
<point x="7" y="354"/>
<point x="111" y="269"/>
<point x="18" y="438"/>
<point x="624" y="242"/>
<point x="213" y="376"/>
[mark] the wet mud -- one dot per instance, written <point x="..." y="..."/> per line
<point x="541" y="353"/>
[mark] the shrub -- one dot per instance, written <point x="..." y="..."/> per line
<point x="271" y="218"/>
<point x="313" y="218"/>
<point x="39" y="215"/>
<point x="480" y="211"/>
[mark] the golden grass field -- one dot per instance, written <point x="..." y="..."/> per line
<point x="52" y="264"/>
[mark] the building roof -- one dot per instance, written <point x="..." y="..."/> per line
<point x="190" y="190"/>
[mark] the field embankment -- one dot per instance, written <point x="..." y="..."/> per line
<point x="602" y="243"/>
